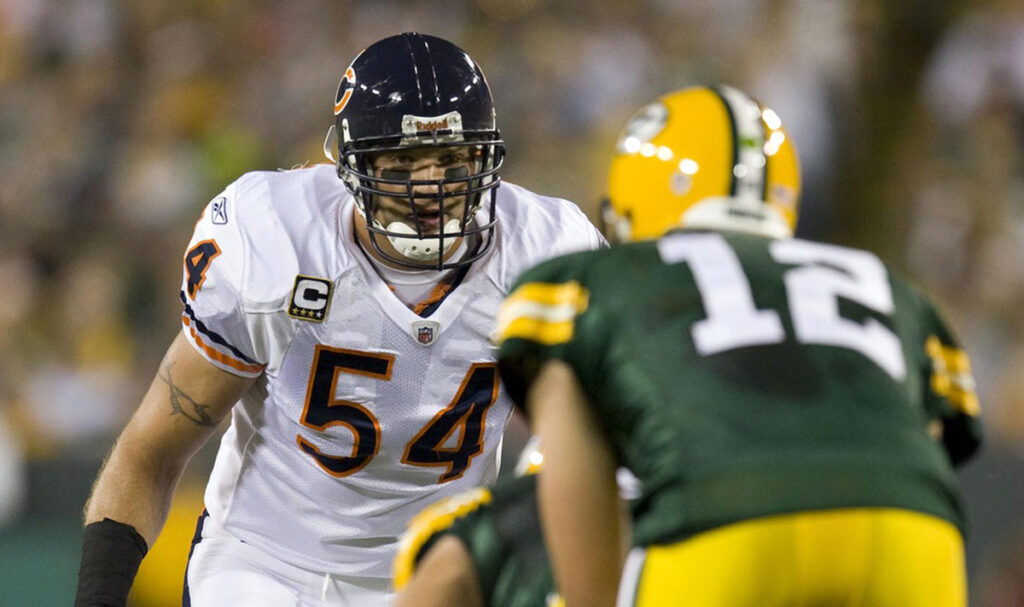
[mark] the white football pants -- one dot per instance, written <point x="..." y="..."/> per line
<point x="225" y="572"/>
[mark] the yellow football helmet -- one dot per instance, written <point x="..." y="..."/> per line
<point x="702" y="157"/>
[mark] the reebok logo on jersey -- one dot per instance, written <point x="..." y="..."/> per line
<point x="219" y="209"/>
<point x="310" y="298"/>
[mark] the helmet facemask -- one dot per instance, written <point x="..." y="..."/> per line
<point x="453" y="201"/>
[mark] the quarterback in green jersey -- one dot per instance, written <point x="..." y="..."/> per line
<point x="793" y="410"/>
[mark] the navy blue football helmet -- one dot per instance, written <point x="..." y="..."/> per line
<point x="414" y="91"/>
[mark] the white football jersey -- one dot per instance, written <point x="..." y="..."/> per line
<point x="365" y="412"/>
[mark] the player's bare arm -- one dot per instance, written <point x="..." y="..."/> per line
<point x="583" y="534"/>
<point x="446" y="576"/>
<point x="180" y="401"/>
<point x="183" y="406"/>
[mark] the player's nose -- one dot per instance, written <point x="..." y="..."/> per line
<point x="432" y="180"/>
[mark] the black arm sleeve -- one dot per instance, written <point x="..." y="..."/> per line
<point x="111" y="554"/>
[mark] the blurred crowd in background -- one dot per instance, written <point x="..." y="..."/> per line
<point x="119" y="120"/>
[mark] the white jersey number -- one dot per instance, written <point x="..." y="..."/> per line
<point x="823" y="274"/>
<point x="465" y="414"/>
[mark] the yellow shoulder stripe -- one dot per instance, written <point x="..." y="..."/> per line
<point x="542" y="312"/>
<point x="434" y="518"/>
<point x="951" y="376"/>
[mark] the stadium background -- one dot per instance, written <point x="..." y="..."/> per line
<point x="119" y="120"/>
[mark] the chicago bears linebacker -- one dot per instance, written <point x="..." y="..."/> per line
<point x="793" y="410"/>
<point x="347" y="331"/>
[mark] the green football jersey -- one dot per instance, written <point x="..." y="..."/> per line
<point x="738" y="376"/>
<point x="500" y="528"/>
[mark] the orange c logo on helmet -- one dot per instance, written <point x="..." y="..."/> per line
<point x="344" y="91"/>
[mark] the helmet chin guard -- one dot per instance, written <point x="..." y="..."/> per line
<point x="422" y="248"/>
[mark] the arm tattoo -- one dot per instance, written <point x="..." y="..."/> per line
<point x="183" y="404"/>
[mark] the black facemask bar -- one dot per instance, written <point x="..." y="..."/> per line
<point x="367" y="188"/>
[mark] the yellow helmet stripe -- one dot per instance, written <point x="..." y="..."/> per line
<point x="749" y="161"/>
<point x="542" y="312"/>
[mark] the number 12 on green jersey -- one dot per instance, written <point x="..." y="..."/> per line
<point x="822" y="274"/>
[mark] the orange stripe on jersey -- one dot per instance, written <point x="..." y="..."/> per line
<point x="217" y="355"/>
<point x="440" y="290"/>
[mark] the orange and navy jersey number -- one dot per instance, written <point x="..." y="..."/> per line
<point x="465" y="416"/>
<point x="323" y="410"/>
<point x="197" y="262"/>
<point x="466" y="412"/>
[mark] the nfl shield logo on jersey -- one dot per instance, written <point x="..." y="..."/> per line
<point x="425" y="331"/>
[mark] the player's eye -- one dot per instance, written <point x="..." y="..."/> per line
<point x="450" y="159"/>
<point x="401" y="159"/>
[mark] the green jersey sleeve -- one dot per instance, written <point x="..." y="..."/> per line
<point x="950" y="398"/>
<point x="537" y="321"/>
<point x="500" y="528"/>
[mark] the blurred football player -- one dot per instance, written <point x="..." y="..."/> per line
<point x="352" y="326"/>
<point x="793" y="410"/>
<point x="481" y="548"/>
<point x="484" y="547"/>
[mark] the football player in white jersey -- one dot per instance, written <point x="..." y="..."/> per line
<point x="352" y="326"/>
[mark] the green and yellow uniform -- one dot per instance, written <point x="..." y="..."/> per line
<point x="742" y="379"/>
<point x="500" y="529"/>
